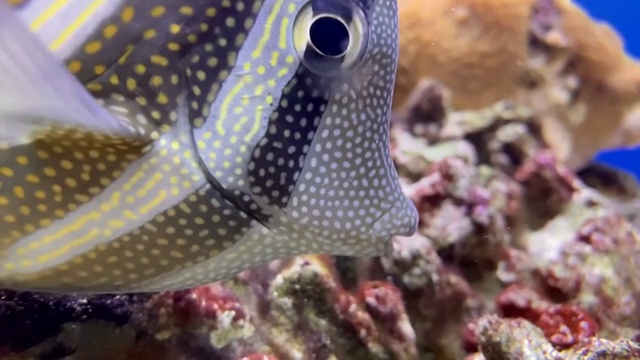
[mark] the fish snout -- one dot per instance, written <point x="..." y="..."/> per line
<point x="400" y="220"/>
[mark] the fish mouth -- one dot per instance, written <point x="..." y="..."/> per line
<point x="399" y="220"/>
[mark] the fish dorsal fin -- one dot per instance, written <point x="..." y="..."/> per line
<point x="37" y="92"/>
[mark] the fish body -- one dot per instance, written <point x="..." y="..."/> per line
<point x="151" y="146"/>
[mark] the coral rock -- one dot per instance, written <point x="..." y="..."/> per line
<point x="384" y="303"/>
<point x="48" y="314"/>
<point x="475" y="48"/>
<point x="602" y="349"/>
<point x="565" y="326"/>
<point x="211" y="311"/>
<point x="545" y="54"/>
<point x="604" y="259"/>
<point x="258" y="356"/>
<point x="520" y="301"/>
<point x="502" y="339"/>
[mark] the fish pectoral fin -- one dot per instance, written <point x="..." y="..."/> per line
<point x="37" y="91"/>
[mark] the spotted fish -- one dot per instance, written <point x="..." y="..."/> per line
<point x="158" y="145"/>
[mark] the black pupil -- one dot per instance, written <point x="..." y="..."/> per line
<point x="329" y="35"/>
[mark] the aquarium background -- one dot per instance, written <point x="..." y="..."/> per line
<point x="623" y="16"/>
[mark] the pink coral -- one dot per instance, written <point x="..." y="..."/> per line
<point x="563" y="325"/>
<point x="210" y="310"/>
<point x="566" y="325"/>
<point x="203" y="303"/>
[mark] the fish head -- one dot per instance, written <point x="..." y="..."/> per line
<point x="310" y="138"/>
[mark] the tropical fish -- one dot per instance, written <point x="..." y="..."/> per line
<point x="159" y="145"/>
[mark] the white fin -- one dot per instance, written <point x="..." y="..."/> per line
<point x="37" y="91"/>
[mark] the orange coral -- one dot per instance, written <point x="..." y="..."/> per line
<point x="547" y="54"/>
<point x="475" y="47"/>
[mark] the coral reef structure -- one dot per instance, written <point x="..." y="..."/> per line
<point x="546" y="54"/>
<point x="517" y="256"/>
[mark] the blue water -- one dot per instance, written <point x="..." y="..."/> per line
<point x="624" y="16"/>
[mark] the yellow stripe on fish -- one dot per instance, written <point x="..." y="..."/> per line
<point x="64" y="25"/>
<point x="162" y="145"/>
<point x="52" y="176"/>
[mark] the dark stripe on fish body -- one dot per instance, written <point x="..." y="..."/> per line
<point x="156" y="47"/>
<point x="208" y="67"/>
<point x="241" y="200"/>
<point x="126" y="62"/>
<point x="291" y="130"/>
<point x="189" y="233"/>
<point x="211" y="59"/>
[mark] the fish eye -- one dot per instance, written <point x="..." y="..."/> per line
<point x="331" y="40"/>
<point x="329" y="36"/>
